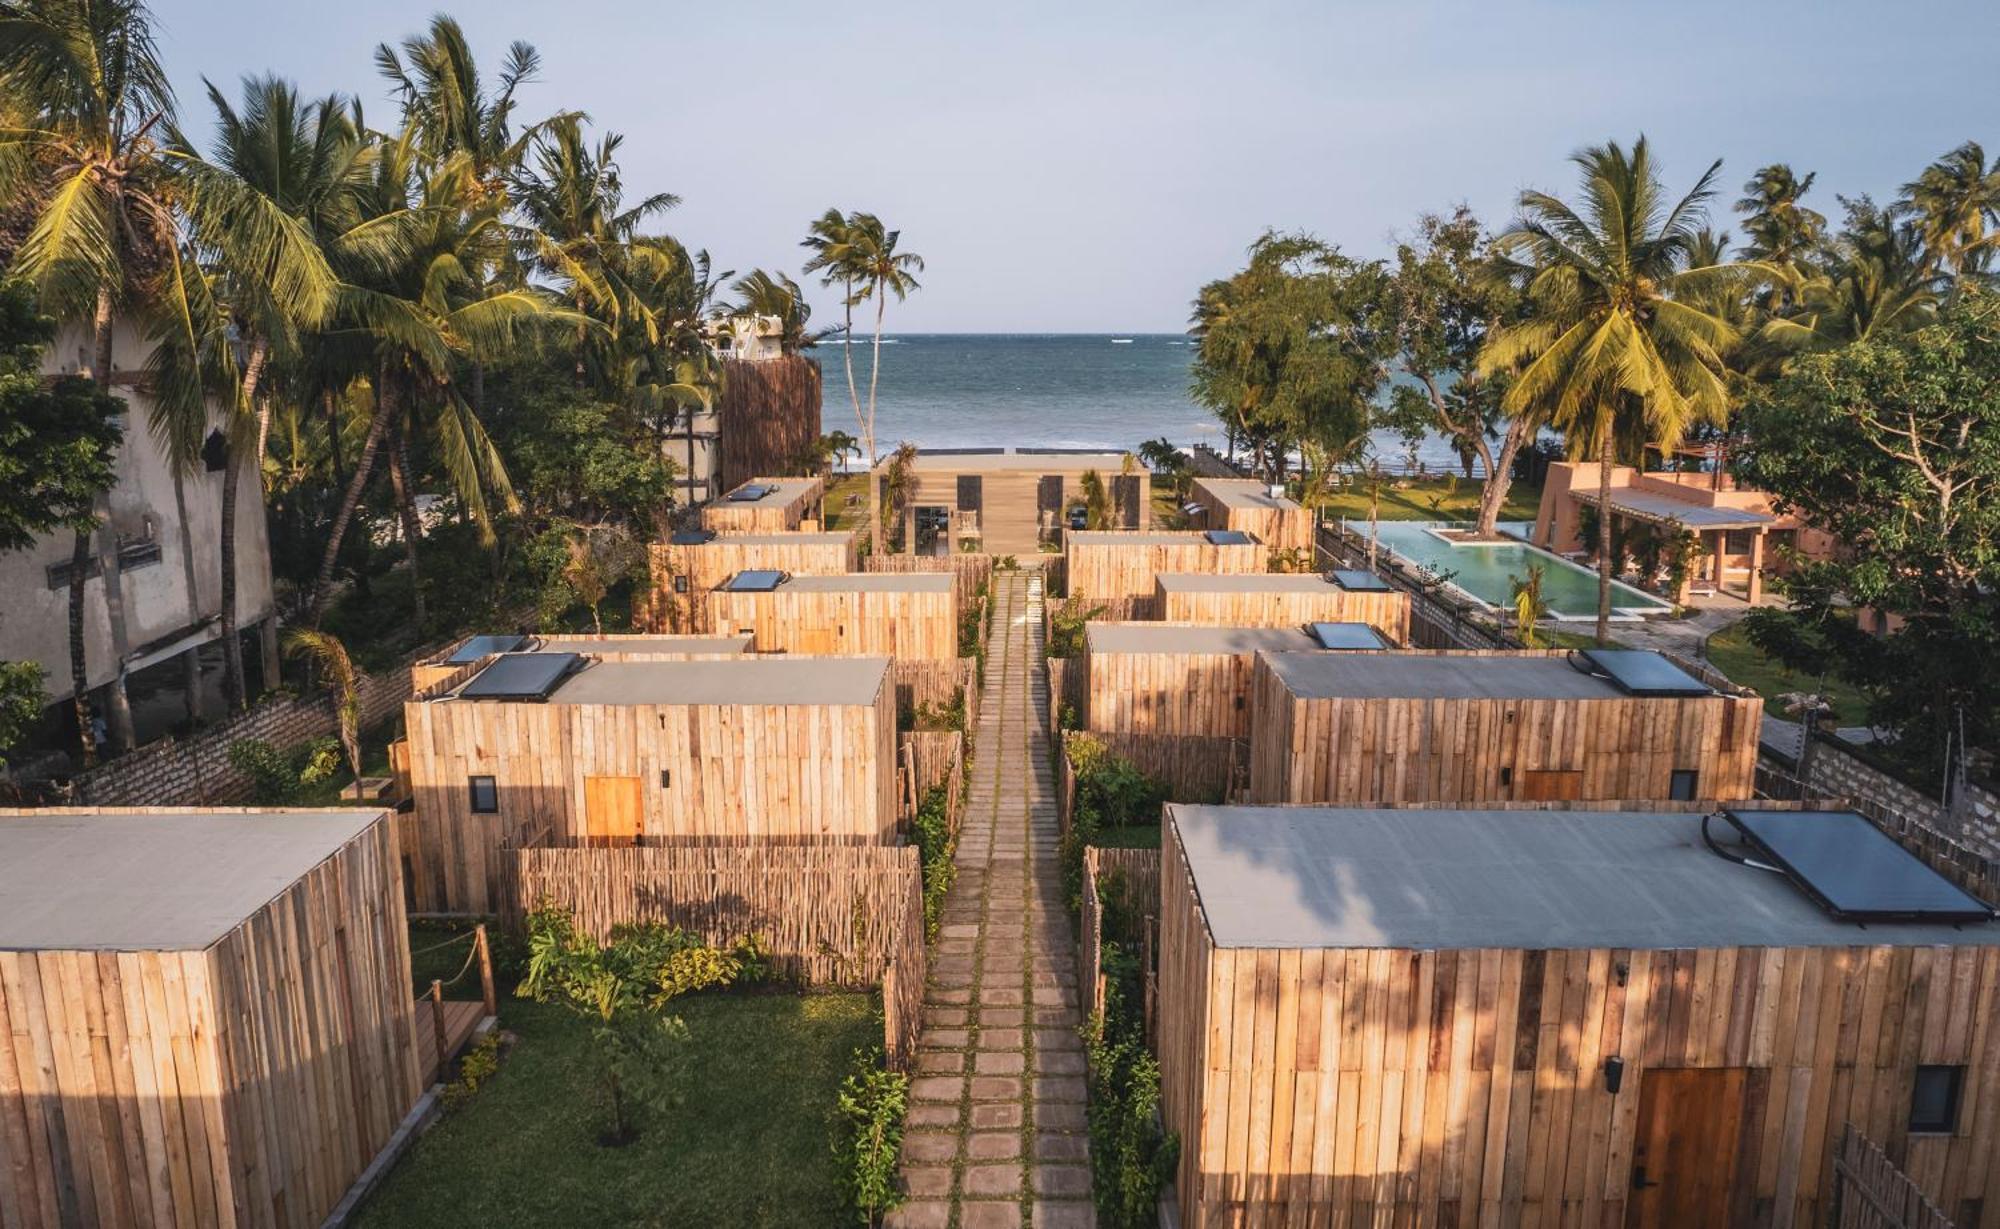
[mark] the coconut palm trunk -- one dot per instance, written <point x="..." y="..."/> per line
<point x="404" y="489"/>
<point x="363" y="466"/>
<point x="233" y="686"/>
<point x="119" y="718"/>
<point x="1606" y="451"/>
<point x="868" y="423"/>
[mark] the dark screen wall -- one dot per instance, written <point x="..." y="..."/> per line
<point x="768" y="416"/>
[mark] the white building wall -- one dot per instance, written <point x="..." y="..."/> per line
<point x="159" y="614"/>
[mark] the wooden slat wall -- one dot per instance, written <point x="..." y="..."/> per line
<point x="1009" y="519"/>
<point x="765" y="517"/>
<point x="904" y="624"/>
<point x="1388" y="613"/>
<point x="1128" y="877"/>
<point x="710" y="563"/>
<point x="248" y="1084"/>
<point x="1465" y="1087"/>
<point x="1455" y="750"/>
<point x="830" y="915"/>
<point x="972" y="572"/>
<point x="934" y="684"/>
<point x="1119" y="573"/>
<point x="1193" y="768"/>
<point x="1283" y="528"/>
<point x="611" y="646"/>
<point x="784" y="771"/>
<point x="1167" y="693"/>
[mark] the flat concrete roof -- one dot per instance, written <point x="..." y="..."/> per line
<point x="1136" y="537"/>
<point x="1244" y="493"/>
<point x="1107" y="463"/>
<point x="644" y="644"/>
<point x="837" y="538"/>
<point x="1169" y="638"/>
<point x="1424" y="676"/>
<point x="1432" y="879"/>
<point x="776" y="680"/>
<point x="162" y="882"/>
<point x="1246" y="582"/>
<point x="1653" y="506"/>
<point x="783" y="491"/>
<point x="876" y="582"/>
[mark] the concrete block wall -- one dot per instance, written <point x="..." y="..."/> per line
<point x="1975" y="823"/>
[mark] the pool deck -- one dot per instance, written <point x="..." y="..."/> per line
<point x="1654" y="605"/>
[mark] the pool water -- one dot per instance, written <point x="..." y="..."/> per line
<point x="1486" y="573"/>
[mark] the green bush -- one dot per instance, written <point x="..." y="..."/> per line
<point x="936" y="843"/>
<point x="868" y="1137"/>
<point x="477" y="1066"/>
<point x="1066" y="627"/>
<point x="1132" y="1156"/>
<point x="274" y="777"/>
<point x="1110" y="793"/>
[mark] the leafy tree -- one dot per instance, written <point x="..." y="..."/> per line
<point x="1955" y="202"/>
<point x="1447" y="296"/>
<point x="337" y="673"/>
<point x="775" y="294"/>
<point x="1291" y="349"/>
<point x="1168" y="462"/>
<point x="21" y="702"/>
<point x="1610" y="345"/>
<point x="1874" y="280"/>
<point x="58" y="440"/>
<point x="1893" y="446"/>
<point x="1782" y="229"/>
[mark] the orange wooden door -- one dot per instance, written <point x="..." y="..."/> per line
<point x="612" y="810"/>
<point x="818" y="640"/>
<point x="1684" y="1157"/>
<point x="1549" y="785"/>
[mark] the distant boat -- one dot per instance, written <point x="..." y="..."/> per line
<point x="1121" y="341"/>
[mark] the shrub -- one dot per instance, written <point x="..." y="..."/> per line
<point x="319" y="760"/>
<point x="1132" y="1156"/>
<point x="936" y="843"/>
<point x="477" y="1066"/>
<point x="1066" y="626"/>
<point x="868" y="1135"/>
<point x="1110" y="793"/>
<point x="274" y="781"/>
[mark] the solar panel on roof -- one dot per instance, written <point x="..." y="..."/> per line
<point x="757" y="580"/>
<point x="1229" y="537"/>
<point x="750" y="494"/>
<point x="1347" y="636"/>
<point x="1854" y="870"/>
<point x="522" y="676"/>
<point x="476" y="647"/>
<point x="692" y="537"/>
<point x="1355" y="580"/>
<point x="1642" y="672"/>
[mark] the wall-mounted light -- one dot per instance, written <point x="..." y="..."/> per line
<point x="1614" y="1074"/>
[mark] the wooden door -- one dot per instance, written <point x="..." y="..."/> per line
<point x="818" y="640"/>
<point x="1684" y="1156"/>
<point x="1549" y="785"/>
<point x="612" y="810"/>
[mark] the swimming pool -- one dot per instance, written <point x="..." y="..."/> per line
<point x="1485" y="572"/>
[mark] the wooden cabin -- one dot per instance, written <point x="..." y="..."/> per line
<point x="689" y="565"/>
<point x="1546" y="1016"/>
<point x="429" y="671"/>
<point x="1009" y="501"/>
<point x="767" y="505"/>
<point x="1119" y="570"/>
<point x="206" y="1016"/>
<point x="622" y="751"/>
<point x="911" y="616"/>
<point x="1176" y="678"/>
<point x="1490" y="726"/>
<point x="1274" y="599"/>
<point x="1248" y="506"/>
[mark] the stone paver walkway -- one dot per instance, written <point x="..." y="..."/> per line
<point x="996" y="1128"/>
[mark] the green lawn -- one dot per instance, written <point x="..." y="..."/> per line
<point x="1413" y="501"/>
<point x="1129" y="836"/>
<point x="748" y="1145"/>
<point x="1731" y="652"/>
<point x="837" y="491"/>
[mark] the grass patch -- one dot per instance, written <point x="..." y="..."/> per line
<point x="1413" y="501"/>
<point x="1731" y="652"/>
<point x="838" y="515"/>
<point x="1128" y="836"/>
<point x="748" y="1145"/>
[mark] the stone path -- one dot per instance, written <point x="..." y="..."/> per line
<point x="996" y="1129"/>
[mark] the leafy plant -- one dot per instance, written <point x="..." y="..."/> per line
<point x="868" y="1138"/>
<point x="1096" y="501"/>
<point x="319" y="760"/>
<point x="475" y="1067"/>
<point x="936" y="842"/>
<point x="1110" y="793"/>
<point x="325" y="651"/>
<point x="1132" y="1156"/>
<point x="274" y="780"/>
<point x="21" y="702"/>
<point x="1066" y="626"/>
<point x="1292" y="559"/>
<point x="1529" y="607"/>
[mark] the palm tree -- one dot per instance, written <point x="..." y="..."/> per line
<point x="1879" y="280"/>
<point x="1781" y="228"/>
<point x="1613" y="343"/>
<point x="830" y="237"/>
<point x="1954" y="202"/>
<point x="449" y="109"/>
<point x="336" y="671"/>
<point x="879" y="271"/>
<point x="85" y="164"/>
<point x="303" y="161"/>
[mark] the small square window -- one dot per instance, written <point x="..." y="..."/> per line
<point x="485" y="793"/>
<point x="1934" y="1100"/>
<point x="680" y="584"/>
<point x="1681" y="786"/>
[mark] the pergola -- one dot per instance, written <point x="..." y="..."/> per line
<point x="1699" y="519"/>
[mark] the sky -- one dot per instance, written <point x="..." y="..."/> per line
<point x="1085" y="167"/>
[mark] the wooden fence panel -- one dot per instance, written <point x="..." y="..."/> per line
<point x="1114" y="878"/>
<point x="1869" y="1192"/>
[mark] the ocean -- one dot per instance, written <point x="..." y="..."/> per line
<point x="1055" y="390"/>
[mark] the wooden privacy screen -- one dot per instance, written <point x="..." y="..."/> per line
<point x="907" y="624"/>
<point x="248" y="1084"/>
<point x="1285" y="606"/>
<point x="1467" y="1087"/>
<point x="683" y="575"/>
<point x="797" y="500"/>
<point x="1245" y="504"/>
<point x="830" y="915"/>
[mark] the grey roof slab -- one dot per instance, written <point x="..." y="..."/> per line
<point x="1443" y="879"/>
<point x="776" y="680"/>
<point x="1424" y="676"/>
<point x="871" y="582"/>
<point x="1171" y="638"/>
<point x="1244" y="493"/>
<point x="646" y="644"/>
<point x="166" y="882"/>
<point x="1136" y="537"/>
<point x="783" y="491"/>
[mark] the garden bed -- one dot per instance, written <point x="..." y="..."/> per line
<point x="748" y="1144"/>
